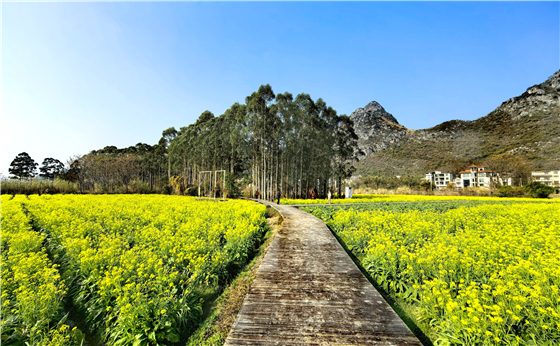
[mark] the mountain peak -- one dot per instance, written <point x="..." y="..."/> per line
<point x="542" y="96"/>
<point x="371" y="111"/>
<point x="375" y="127"/>
<point x="525" y="126"/>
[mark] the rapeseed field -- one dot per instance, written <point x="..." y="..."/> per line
<point x="132" y="264"/>
<point x="405" y="198"/>
<point x="474" y="274"/>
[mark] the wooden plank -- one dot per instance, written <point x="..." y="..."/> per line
<point x="308" y="291"/>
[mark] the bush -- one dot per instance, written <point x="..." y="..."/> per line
<point x="192" y="191"/>
<point x="232" y="187"/>
<point x="539" y="190"/>
<point x="166" y="189"/>
<point x="426" y="185"/>
<point x="178" y="185"/>
<point x="137" y="186"/>
<point x="509" y="191"/>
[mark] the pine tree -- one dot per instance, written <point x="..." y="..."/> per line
<point x="23" y="166"/>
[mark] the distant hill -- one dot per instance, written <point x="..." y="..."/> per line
<point x="526" y="127"/>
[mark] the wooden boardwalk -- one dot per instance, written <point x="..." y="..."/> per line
<point x="308" y="291"/>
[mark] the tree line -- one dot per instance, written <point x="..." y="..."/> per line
<point x="271" y="142"/>
<point x="24" y="167"/>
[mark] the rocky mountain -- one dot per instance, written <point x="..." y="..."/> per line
<point x="526" y="128"/>
<point x="376" y="129"/>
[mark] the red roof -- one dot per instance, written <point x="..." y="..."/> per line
<point x="485" y="171"/>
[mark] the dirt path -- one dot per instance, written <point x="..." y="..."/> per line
<point x="308" y="291"/>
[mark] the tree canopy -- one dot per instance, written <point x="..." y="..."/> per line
<point x="280" y="142"/>
<point x="23" y="166"/>
<point x="51" y="168"/>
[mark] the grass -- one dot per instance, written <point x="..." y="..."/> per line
<point x="37" y="187"/>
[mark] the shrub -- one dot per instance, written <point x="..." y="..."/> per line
<point x="426" y="185"/>
<point x="232" y="187"/>
<point x="509" y="191"/>
<point x="177" y="185"/>
<point x="166" y="189"/>
<point x="138" y="186"/>
<point x="192" y="191"/>
<point x="539" y="190"/>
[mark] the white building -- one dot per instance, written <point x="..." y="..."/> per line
<point x="439" y="179"/>
<point x="480" y="176"/>
<point x="550" y="178"/>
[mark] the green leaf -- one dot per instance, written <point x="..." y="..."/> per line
<point x="172" y="336"/>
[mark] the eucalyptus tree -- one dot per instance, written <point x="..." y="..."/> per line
<point x="167" y="136"/>
<point x="346" y="150"/>
<point x="258" y="111"/>
<point x="235" y="143"/>
<point x="280" y="142"/>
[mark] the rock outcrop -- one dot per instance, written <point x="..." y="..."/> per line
<point x="376" y="129"/>
<point x="537" y="98"/>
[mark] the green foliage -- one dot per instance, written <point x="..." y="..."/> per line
<point x="539" y="190"/>
<point x="346" y="150"/>
<point x="272" y="139"/>
<point x="51" y="168"/>
<point x="73" y="172"/>
<point x="232" y="187"/>
<point x="192" y="191"/>
<point x="426" y="185"/>
<point x="509" y="191"/>
<point x="138" y="186"/>
<point x="23" y="166"/>
<point x="167" y="189"/>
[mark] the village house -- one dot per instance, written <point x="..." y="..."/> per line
<point x="439" y="179"/>
<point x="475" y="176"/>
<point x="480" y="176"/>
<point x="550" y="178"/>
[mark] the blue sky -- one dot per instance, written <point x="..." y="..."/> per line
<point x="81" y="76"/>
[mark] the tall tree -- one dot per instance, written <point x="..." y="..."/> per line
<point x="73" y="172"/>
<point x="167" y="136"/>
<point x="346" y="150"/>
<point x="51" y="168"/>
<point x="23" y="166"/>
